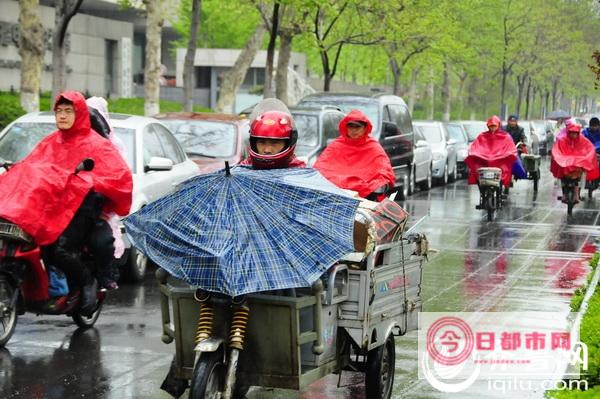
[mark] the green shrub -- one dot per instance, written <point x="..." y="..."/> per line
<point x="593" y="393"/>
<point x="10" y="108"/>
<point x="135" y="106"/>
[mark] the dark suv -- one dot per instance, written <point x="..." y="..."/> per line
<point x="392" y="126"/>
<point x="317" y="127"/>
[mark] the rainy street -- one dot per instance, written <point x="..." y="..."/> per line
<point x="531" y="258"/>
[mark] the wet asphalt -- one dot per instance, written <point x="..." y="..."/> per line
<point x="530" y="258"/>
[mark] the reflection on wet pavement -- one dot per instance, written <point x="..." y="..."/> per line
<point x="531" y="258"/>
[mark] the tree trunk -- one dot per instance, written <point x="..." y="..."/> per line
<point x="527" y="98"/>
<point x="446" y="93"/>
<point x="233" y="78"/>
<point x="283" y="63"/>
<point x="190" y="55"/>
<point x="520" y="88"/>
<point x="154" y="22"/>
<point x="461" y="95"/>
<point x="396" y="74"/>
<point x="430" y="95"/>
<point x="268" y="89"/>
<point x="472" y="98"/>
<point x="64" y="11"/>
<point x="554" y="94"/>
<point x="412" y="90"/>
<point x="31" y="50"/>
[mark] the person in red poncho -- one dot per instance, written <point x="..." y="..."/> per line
<point x="272" y="142"/>
<point x="493" y="148"/>
<point x="355" y="160"/>
<point x="58" y="208"/>
<point x="573" y="154"/>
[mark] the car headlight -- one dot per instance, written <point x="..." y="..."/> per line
<point x="437" y="156"/>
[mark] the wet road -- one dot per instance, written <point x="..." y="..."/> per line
<point x="531" y="258"/>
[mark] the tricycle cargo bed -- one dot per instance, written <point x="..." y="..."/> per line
<point x="364" y="302"/>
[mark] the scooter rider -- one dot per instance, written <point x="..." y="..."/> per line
<point x="273" y="142"/>
<point x="592" y="133"/>
<point x="355" y="160"/>
<point x="61" y="221"/>
<point x="516" y="132"/>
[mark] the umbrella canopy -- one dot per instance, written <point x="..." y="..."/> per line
<point x="559" y="114"/>
<point x="248" y="231"/>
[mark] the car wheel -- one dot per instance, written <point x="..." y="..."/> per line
<point x="442" y="181"/>
<point x="136" y="266"/>
<point x="412" y="181"/>
<point x="426" y="184"/>
<point x="454" y="175"/>
<point x="403" y="193"/>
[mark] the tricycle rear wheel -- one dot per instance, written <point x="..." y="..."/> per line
<point x="8" y="313"/>
<point x="380" y="370"/>
<point x="208" y="378"/>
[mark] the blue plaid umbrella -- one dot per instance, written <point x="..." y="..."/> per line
<point x="249" y="231"/>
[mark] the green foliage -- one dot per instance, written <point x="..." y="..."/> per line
<point x="10" y="108"/>
<point x="135" y="106"/>
<point x="223" y="24"/>
<point x="593" y="393"/>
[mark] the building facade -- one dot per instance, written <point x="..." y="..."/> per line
<point x="106" y="55"/>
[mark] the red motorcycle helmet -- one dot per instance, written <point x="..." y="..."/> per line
<point x="274" y="125"/>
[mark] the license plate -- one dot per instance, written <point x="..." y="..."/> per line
<point x="489" y="175"/>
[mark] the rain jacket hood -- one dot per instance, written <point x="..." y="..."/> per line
<point x="569" y="154"/>
<point x="359" y="164"/>
<point x="492" y="149"/>
<point x="41" y="193"/>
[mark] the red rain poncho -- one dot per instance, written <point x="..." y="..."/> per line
<point x="41" y="193"/>
<point x="495" y="150"/>
<point x="359" y="164"/>
<point x="570" y="154"/>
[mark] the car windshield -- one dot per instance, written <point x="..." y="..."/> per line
<point x="432" y="134"/>
<point x="208" y="139"/>
<point x="22" y="137"/>
<point x="346" y="105"/>
<point x="456" y="133"/>
<point x="308" y="132"/>
<point x="474" y="128"/>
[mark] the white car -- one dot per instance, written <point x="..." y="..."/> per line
<point x="444" y="166"/>
<point x="157" y="162"/>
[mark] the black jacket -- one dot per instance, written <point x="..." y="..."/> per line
<point x="517" y="133"/>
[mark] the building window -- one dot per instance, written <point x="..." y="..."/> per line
<point x="202" y="77"/>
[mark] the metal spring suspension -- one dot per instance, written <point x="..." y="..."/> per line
<point x="205" y="321"/>
<point x="237" y="332"/>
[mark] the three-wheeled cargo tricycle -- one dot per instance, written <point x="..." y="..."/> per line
<point x="346" y="321"/>
<point x="531" y="163"/>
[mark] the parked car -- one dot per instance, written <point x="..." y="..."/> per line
<point x="457" y="132"/>
<point x="209" y="139"/>
<point x="443" y="148"/>
<point x="423" y="162"/>
<point x="156" y="159"/>
<point x="533" y="139"/>
<point x="392" y="126"/>
<point x="316" y="128"/>
<point x="473" y="128"/>
<point x="544" y="131"/>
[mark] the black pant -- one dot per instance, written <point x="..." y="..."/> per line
<point x="84" y="230"/>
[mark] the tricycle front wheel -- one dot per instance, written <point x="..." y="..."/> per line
<point x="380" y="370"/>
<point x="208" y="378"/>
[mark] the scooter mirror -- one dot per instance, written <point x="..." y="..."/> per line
<point x="87" y="165"/>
